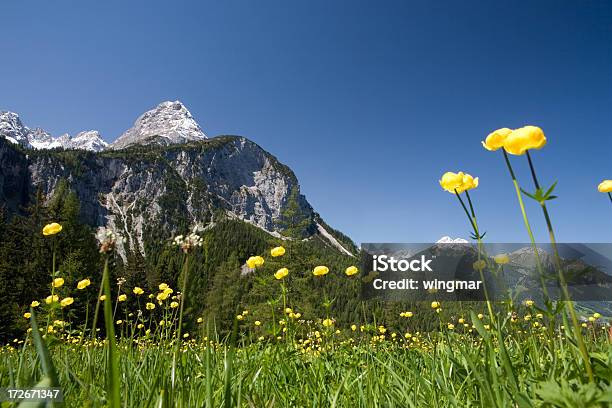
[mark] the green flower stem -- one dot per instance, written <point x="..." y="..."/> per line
<point x="474" y="223"/>
<point x="562" y="281"/>
<point x="179" y="329"/>
<point x="517" y="189"/>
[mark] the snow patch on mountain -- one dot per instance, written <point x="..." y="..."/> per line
<point x="332" y="240"/>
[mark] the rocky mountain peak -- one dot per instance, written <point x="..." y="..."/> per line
<point x="167" y="123"/>
<point x="13" y="129"/>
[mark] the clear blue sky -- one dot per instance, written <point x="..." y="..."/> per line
<point x="368" y="102"/>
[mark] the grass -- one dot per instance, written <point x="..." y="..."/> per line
<point x="310" y="365"/>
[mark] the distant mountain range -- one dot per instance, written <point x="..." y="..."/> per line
<point x="168" y="123"/>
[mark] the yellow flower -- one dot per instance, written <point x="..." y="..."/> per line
<point x="480" y="265"/>
<point x="351" y="270"/>
<point x="138" y="291"/>
<point x="605" y="186"/>
<point x="103" y="297"/>
<point x="200" y="320"/>
<point x="240" y="317"/>
<point x="163" y="286"/>
<point x="174" y="305"/>
<point x="523" y="139"/>
<point x="140" y="325"/>
<point x="58" y="282"/>
<point x="119" y="321"/>
<point x="461" y="320"/>
<point x="162" y="296"/>
<point x="255" y="261"/>
<point x="122" y="298"/>
<point x="281" y="273"/>
<point x="257" y="323"/>
<point x="150" y="306"/>
<point x="480" y="316"/>
<point x="67" y="301"/>
<point x="435" y="305"/>
<point x="27" y="315"/>
<point x="458" y="182"/>
<point x="328" y="322"/>
<point x="51" y="298"/>
<point x="320" y="270"/>
<point x="83" y="284"/>
<point x="596" y="315"/>
<point x="451" y="326"/>
<point x="496" y="139"/>
<point x="353" y="327"/>
<point x="35" y="303"/>
<point x="501" y="259"/>
<point x="529" y="303"/>
<point x="278" y="251"/>
<point x="51" y="229"/>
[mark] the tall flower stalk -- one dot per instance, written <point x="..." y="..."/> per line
<point x="518" y="142"/>
<point x="562" y="281"/>
<point x="457" y="183"/>
<point x="493" y="142"/>
<point x="186" y="244"/>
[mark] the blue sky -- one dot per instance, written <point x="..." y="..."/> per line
<point x="368" y="102"/>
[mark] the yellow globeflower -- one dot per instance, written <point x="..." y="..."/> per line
<point x="174" y="305"/>
<point x="278" y="251"/>
<point x="83" y="284"/>
<point x="328" y="322"/>
<point x="523" y="139"/>
<point x="458" y="182"/>
<point x="122" y="298"/>
<point x="103" y="297"/>
<point x="257" y="323"/>
<point x="58" y="282"/>
<point x="35" y="303"/>
<point x="353" y="327"/>
<point x="138" y="291"/>
<point x="496" y="139"/>
<point x="150" y="306"/>
<point x="480" y="265"/>
<point x="162" y="296"/>
<point x="281" y="273"/>
<point x="163" y="286"/>
<point x="320" y="270"/>
<point x="529" y="303"/>
<point x="51" y="229"/>
<point x="51" y="298"/>
<point x="435" y="305"/>
<point x="351" y="270"/>
<point x="605" y="186"/>
<point x="67" y="301"/>
<point x="501" y="259"/>
<point x="27" y="315"/>
<point x="451" y="326"/>
<point x="255" y="261"/>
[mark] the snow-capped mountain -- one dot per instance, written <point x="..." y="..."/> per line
<point x="449" y="240"/>
<point x="16" y="132"/>
<point x="167" y="123"/>
<point x="12" y="128"/>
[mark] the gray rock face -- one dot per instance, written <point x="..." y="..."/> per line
<point x="137" y="193"/>
<point x="168" y="123"/>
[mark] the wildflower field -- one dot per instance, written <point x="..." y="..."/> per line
<point x="145" y="346"/>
